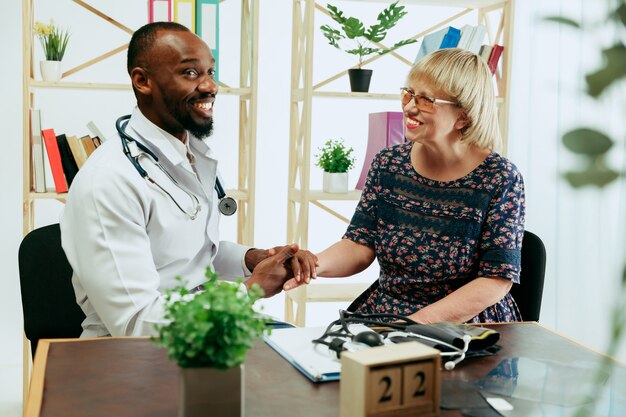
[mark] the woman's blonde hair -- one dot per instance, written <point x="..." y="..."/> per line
<point x="465" y="77"/>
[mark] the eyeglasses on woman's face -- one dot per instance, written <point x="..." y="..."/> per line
<point x="422" y="102"/>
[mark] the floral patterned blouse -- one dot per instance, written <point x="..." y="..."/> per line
<point x="432" y="237"/>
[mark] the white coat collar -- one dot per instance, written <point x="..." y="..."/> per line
<point x="162" y="140"/>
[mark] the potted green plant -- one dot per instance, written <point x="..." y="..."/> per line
<point x="209" y="334"/>
<point x="54" y="42"/>
<point x="336" y="160"/>
<point x="354" y="29"/>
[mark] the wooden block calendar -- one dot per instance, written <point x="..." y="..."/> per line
<point x="391" y="381"/>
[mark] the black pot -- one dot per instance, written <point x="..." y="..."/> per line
<point x="360" y="80"/>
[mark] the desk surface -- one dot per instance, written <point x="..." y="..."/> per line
<point x="131" y="377"/>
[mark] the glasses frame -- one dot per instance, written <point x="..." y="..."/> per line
<point x="431" y="100"/>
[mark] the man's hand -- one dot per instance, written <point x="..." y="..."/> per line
<point x="302" y="266"/>
<point x="271" y="272"/>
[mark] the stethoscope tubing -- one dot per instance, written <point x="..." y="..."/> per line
<point x="226" y="206"/>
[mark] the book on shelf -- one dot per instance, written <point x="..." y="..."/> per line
<point x="207" y="27"/>
<point x="78" y="152"/>
<point x="451" y="38"/>
<point x="96" y="141"/>
<point x="159" y="11"/>
<point x="38" y="167"/>
<point x="67" y="159"/>
<point x="87" y="144"/>
<point x="485" y="52"/>
<point x="472" y="38"/>
<point x="185" y="13"/>
<point x="494" y="57"/>
<point x="54" y="157"/>
<point x="444" y="38"/>
<point x="95" y="131"/>
<point x="385" y="129"/>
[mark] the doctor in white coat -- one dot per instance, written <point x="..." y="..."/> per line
<point x="128" y="236"/>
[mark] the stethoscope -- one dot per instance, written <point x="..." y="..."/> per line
<point x="344" y="339"/>
<point x="132" y="147"/>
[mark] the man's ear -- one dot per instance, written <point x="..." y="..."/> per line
<point x="463" y="121"/>
<point x="140" y="80"/>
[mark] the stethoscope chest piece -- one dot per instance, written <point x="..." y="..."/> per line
<point x="227" y="206"/>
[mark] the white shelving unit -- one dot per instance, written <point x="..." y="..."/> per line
<point x="304" y="89"/>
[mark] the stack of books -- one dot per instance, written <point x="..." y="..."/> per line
<point x="469" y="37"/>
<point x="66" y="154"/>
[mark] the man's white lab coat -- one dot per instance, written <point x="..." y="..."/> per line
<point x="127" y="241"/>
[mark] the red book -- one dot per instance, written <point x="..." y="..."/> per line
<point x="495" y="57"/>
<point x="54" y="157"/>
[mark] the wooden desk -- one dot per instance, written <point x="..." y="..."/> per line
<point x="130" y="377"/>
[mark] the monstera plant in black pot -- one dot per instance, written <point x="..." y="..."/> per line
<point x="364" y="41"/>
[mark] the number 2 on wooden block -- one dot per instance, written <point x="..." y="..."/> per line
<point x="386" y="389"/>
<point x="418" y="384"/>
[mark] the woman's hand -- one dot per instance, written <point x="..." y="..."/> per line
<point x="302" y="266"/>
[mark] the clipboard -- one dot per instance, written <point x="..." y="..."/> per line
<point x="315" y="361"/>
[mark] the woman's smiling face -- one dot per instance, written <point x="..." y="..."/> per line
<point x="437" y="120"/>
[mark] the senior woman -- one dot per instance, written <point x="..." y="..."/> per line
<point x="443" y="213"/>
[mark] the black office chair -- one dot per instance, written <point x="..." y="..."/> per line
<point x="527" y="294"/>
<point x="48" y="299"/>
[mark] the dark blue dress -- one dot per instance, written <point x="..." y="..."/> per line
<point x="432" y="237"/>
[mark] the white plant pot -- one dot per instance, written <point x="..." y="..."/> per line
<point x="335" y="182"/>
<point x="50" y="70"/>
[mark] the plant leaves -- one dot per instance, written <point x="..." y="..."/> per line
<point x="361" y="51"/>
<point x="613" y="70"/>
<point x="563" y="21"/>
<point x="587" y="141"/>
<point x="353" y="28"/>
<point x="375" y="33"/>
<point x="390" y="16"/>
<point x="591" y="176"/>
<point x="620" y="13"/>
<point x="333" y="35"/>
<point x="215" y="328"/>
<point x="397" y="45"/>
<point x="336" y="14"/>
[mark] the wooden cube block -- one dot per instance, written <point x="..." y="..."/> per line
<point x="391" y="381"/>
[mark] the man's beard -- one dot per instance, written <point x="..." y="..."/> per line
<point x="198" y="130"/>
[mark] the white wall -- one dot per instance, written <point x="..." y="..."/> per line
<point x="10" y="209"/>
<point x="583" y="231"/>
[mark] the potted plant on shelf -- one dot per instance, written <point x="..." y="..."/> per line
<point x="354" y="29"/>
<point x="336" y="160"/>
<point x="54" y="41"/>
<point x="209" y="334"/>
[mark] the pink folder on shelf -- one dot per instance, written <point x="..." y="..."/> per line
<point x="159" y="11"/>
<point x="385" y="129"/>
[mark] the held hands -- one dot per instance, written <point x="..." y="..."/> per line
<point x="272" y="267"/>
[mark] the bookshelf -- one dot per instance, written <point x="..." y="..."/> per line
<point x="246" y="92"/>
<point x="305" y="90"/>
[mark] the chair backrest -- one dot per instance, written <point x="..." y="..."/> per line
<point x="48" y="299"/>
<point x="527" y="294"/>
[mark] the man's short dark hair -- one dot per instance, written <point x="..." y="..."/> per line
<point x="143" y="40"/>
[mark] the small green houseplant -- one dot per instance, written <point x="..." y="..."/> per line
<point x="209" y="334"/>
<point x="54" y="43"/>
<point x="365" y="40"/>
<point x="336" y="160"/>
